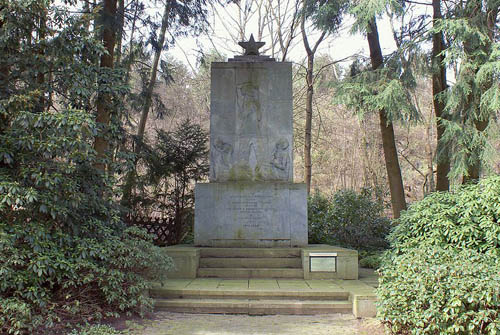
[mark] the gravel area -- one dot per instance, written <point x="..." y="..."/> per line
<point x="167" y="323"/>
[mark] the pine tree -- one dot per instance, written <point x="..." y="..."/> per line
<point x="471" y="29"/>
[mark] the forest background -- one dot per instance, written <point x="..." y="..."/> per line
<point x="337" y="136"/>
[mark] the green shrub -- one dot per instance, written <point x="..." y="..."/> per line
<point x="468" y="218"/>
<point x="58" y="277"/>
<point x="318" y="206"/>
<point x="436" y="291"/>
<point x="171" y="165"/>
<point x="368" y="259"/>
<point x="347" y="219"/>
<point x="65" y="255"/>
<point x="441" y="275"/>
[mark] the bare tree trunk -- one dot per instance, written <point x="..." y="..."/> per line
<point x="4" y="82"/>
<point x="439" y="86"/>
<point x="4" y="72"/>
<point x="104" y="103"/>
<point x="429" y="182"/>
<point x="307" y="130"/>
<point x="369" y="174"/>
<point x="127" y="190"/>
<point x="388" y="141"/>
<point x="152" y="76"/>
<point x="309" y="100"/>
<point x="121" y="26"/>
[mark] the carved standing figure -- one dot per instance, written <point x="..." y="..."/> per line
<point x="221" y="158"/>
<point x="281" y="159"/>
<point x="249" y="110"/>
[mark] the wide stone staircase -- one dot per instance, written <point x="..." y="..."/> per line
<point x="255" y="281"/>
<point x="231" y="296"/>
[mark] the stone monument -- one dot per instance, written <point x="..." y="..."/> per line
<point x="251" y="200"/>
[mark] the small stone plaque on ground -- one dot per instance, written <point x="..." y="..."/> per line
<point x="323" y="262"/>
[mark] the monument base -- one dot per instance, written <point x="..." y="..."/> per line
<point x="250" y="214"/>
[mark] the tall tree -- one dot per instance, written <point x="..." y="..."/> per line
<point x="309" y="98"/>
<point x="439" y="87"/>
<point x="158" y="48"/>
<point x="398" y="201"/>
<point x="284" y="19"/>
<point x="380" y="89"/>
<point x="104" y="98"/>
<point x="327" y="16"/>
<point x="472" y="30"/>
<point x="181" y="16"/>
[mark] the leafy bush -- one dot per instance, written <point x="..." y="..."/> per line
<point x="348" y="219"/>
<point x="65" y="254"/>
<point x="66" y="257"/>
<point x="468" y="218"/>
<point x="441" y="275"/>
<point x="371" y="260"/>
<point x="432" y="290"/>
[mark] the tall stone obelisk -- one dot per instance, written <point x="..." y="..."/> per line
<point x="251" y="200"/>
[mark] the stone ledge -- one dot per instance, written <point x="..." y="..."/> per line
<point x="364" y="305"/>
<point x="186" y="260"/>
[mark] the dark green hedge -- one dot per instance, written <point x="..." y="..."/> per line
<point x="348" y="219"/>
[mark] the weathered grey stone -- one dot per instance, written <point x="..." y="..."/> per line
<point x="250" y="214"/>
<point x="186" y="260"/>
<point x="251" y="132"/>
<point x="251" y="200"/>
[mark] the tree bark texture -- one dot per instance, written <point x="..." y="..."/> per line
<point x="308" y="126"/>
<point x="309" y="100"/>
<point x="104" y="99"/>
<point x="4" y="82"/>
<point x="388" y="140"/>
<point x="129" y="185"/>
<point x="121" y="25"/>
<point x="439" y="86"/>
<point x="152" y="76"/>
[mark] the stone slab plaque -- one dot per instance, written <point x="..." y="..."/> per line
<point x="323" y="262"/>
<point x="250" y="214"/>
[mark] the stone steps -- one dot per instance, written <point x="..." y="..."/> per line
<point x="250" y="262"/>
<point x="250" y="273"/>
<point x="254" y="306"/>
<point x="249" y="252"/>
<point x="270" y="294"/>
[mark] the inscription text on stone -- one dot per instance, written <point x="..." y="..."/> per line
<point x="253" y="211"/>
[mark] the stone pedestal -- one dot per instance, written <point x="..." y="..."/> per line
<point x="250" y="214"/>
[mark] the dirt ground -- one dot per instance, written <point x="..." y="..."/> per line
<point x="167" y="323"/>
